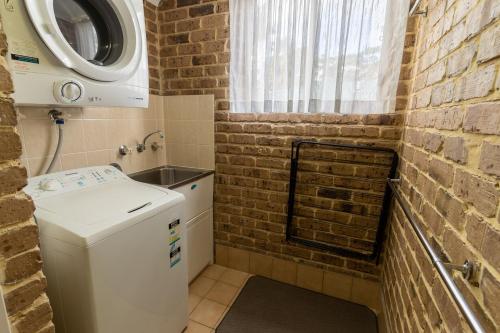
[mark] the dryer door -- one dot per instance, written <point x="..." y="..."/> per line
<point x="100" y="39"/>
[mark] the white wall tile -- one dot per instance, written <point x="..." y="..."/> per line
<point x="189" y="124"/>
<point x="206" y="107"/>
<point x="37" y="166"/>
<point x="73" y="161"/>
<point x="100" y="157"/>
<point x="39" y="137"/>
<point x="206" y="157"/>
<point x="95" y="135"/>
<point x="92" y="136"/>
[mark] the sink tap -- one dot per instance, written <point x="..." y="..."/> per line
<point x="142" y="146"/>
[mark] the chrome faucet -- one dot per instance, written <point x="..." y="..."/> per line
<point x="142" y="146"/>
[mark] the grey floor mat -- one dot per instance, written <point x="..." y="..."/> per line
<point x="268" y="306"/>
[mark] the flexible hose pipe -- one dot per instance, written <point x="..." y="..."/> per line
<point x="59" y="123"/>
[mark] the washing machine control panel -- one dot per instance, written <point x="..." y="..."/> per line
<point x="67" y="181"/>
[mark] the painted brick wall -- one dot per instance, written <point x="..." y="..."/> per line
<point x="450" y="170"/>
<point x="21" y="279"/>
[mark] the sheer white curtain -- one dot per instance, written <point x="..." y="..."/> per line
<point x="87" y="41"/>
<point x="316" y="56"/>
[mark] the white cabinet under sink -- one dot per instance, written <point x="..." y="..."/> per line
<point x="199" y="217"/>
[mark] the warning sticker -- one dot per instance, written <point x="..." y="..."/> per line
<point x="175" y="254"/>
<point x="174" y="242"/>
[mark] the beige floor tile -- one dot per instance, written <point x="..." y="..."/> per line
<point x="201" y="286"/>
<point x="337" y="285"/>
<point x="208" y="313"/>
<point x="284" y="271"/>
<point x="194" y="327"/>
<point x="310" y="278"/>
<point x="213" y="272"/>
<point x="234" y="277"/>
<point x="193" y="301"/>
<point x="222" y="317"/>
<point x="222" y="293"/>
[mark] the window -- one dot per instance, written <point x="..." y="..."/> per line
<point x="316" y="56"/>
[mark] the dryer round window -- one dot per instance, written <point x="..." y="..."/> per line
<point x="99" y="16"/>
<point x="99" y="44"/>
<point x="91" y="28"/>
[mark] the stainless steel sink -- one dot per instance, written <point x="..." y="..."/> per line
<point x="170" y="176"/>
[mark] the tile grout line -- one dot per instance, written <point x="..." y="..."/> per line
<point x="212" y="328"/>
<point x="226" y="307"/>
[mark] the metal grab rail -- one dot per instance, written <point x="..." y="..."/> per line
<point x="413" y="10"/>
<point x="438" y="264"/>
<point x="414" y="7"/>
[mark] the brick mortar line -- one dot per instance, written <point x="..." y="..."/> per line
<point x="462" y="233"/>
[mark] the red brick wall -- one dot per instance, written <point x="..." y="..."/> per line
<point x="449" y="170"/>
<point x="21" y="279"/>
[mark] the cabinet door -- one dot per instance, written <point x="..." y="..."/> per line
<point x="200" y="242"/>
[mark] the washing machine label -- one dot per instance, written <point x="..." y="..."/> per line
<point x="175" y="255"/>
<point x="23" y="58"/>
<point x="174" y="239"/>
<point x="174" y="242"/>
<point x="174" y="224"/>
<point x="24" y="47"/>
<point x="24" y="54"/>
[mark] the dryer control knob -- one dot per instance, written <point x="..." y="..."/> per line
<point x="68" y="91"/>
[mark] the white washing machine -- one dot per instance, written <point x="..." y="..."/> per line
<point x="77" y="52"/>
<point x="113" y="250"/>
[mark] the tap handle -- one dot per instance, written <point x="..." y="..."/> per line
<point x="124" y="150"/>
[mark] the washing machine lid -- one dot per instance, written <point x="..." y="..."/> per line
<point x="100" y="39"/>
<point x="95" y="206"/>
<point x="90" y="204"/>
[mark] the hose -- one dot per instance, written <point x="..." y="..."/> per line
<point x="59" y="123"/>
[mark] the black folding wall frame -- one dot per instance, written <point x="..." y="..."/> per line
<point x="348" y="154"/>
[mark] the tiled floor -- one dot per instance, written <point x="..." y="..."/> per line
<point x="211" y="296"/>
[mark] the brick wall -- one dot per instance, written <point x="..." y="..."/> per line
<point x="152" y="36"/>
<point x="21" y="280"/>
<point x="447" y="86"/>
<point x="252" y="152"/>
<point x="450" y="170"/>
<point x="252" y="175"/>
<point x="194" y="48"/>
